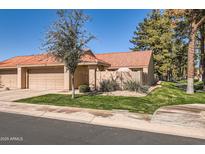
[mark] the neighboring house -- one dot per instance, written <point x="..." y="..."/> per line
<point x="43" y="71"/>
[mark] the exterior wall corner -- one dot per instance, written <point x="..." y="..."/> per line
<point x="92" y="77"/>
<point x="66" y="79"/>
<point x="21" y="77"/>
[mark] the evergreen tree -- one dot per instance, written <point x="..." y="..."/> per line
<point x="193" y="19"/>
<point x="157" y="33"/>
<point x="202" y="53"/>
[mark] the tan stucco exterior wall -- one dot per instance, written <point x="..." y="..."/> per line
<point x="66" y="79"/>
<point x="120" y="77"/>
<point x="92" y="77"/>
<point x="21" y="78"/>
<point x="81" y="77"/>
<point x="148" y="73"/>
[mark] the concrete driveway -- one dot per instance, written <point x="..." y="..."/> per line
<point x="15" y="94"/>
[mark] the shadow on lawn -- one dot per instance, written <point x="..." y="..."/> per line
<point x="93" y="93"/>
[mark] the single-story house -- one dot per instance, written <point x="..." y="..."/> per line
<point x="43" y="71"/>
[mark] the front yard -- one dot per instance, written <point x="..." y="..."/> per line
<point x="168" y="94"/>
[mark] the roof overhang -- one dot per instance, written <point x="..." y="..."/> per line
<point x="131" y="67"/>
<point x="60" y="64"/>
<point x="94" y="63"/>
<point x="39" y="65"/>
<point x="9" y="67"/>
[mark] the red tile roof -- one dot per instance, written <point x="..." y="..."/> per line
<point x="44" y="59"/>
<point x="29" y="60"/>
<point x="90" y="57"/>
<point x="127" y="59"/>
<point x="116" y="60"/>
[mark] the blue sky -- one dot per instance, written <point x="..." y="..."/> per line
<point x="22" y="31"/>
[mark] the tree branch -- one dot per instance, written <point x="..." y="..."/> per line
<point x="199" y="23"/>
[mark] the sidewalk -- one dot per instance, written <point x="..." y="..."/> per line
<point x="116" y="118"/>
<point x="187" y="115"/>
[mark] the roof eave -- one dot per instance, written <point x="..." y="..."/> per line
<point x="36" y="65"/>
<point x="8" y="67"/>
<point x="116" y="67"/>
<point x="94" y="63"/>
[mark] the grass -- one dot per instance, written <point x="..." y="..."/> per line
<point x="198" y="85"/>
<point x="168" y="94"/>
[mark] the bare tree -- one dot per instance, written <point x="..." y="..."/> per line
<point x="66" y="39"/>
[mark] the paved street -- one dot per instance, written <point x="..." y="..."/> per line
<point x="19" y="129"/>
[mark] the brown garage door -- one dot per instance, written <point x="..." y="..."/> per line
<point x="46" y="78"/>
<point x="8" y="78"/>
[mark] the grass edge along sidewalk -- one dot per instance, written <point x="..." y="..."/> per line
<point x="168" y="94"/>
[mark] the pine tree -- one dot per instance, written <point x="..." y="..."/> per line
<point x="193" y="19"/>
<point x="202" y="53"/>
<point x="157" y="33"/>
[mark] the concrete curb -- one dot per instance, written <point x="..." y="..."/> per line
<point x="99" y="117"/>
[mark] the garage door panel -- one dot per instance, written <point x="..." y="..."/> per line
<point x="48" y="78"/>
<point x="8" y="78"/>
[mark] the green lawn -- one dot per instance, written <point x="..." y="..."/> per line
<point x="168" y="94"/>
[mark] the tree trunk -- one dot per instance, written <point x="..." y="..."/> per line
<point x="202" y="61"/>
<point x="191" y="49"/>
<point x="73" y="85"/>
<point x="190" y="70"/>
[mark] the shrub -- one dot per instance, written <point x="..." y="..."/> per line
<point x="84" y="88"/>
<point x="135" y="86"/>
<point x="181" y="86"/>
<point x="131" y="85"/>
<point x="109" y="85"/>
<point x="144" y="88"/>
<point x="197" y="86"/>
